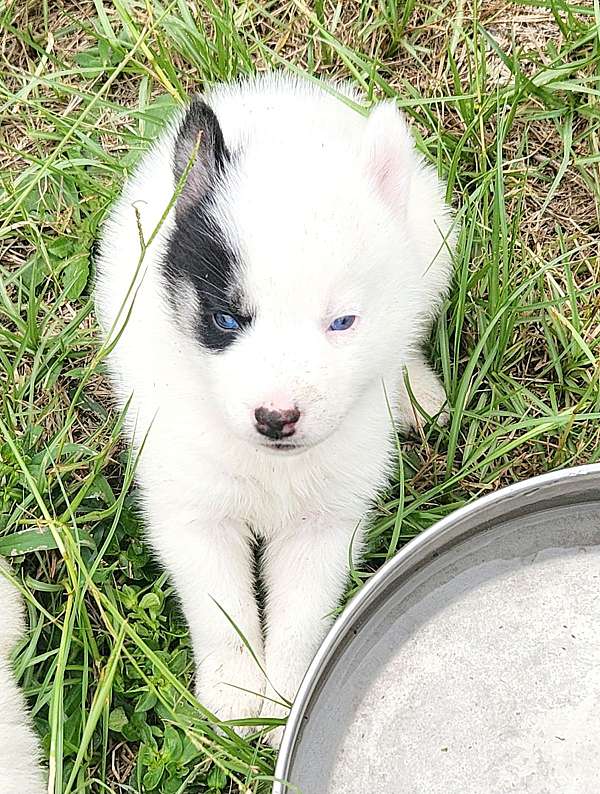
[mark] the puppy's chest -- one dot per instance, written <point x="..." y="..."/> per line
<point x="270" y="497"/>
<point x="269" y="500"/>
<point x="266" y="509"/>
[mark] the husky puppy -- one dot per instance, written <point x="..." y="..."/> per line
<point x="268" y="275"/>
<point x="20" y="770"/>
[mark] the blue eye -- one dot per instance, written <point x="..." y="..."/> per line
<point x="226" y="321"/>
<point x="342" y="323"/>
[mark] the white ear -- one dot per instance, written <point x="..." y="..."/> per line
<point x="389" y="154"/>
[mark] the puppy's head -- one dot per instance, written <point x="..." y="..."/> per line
<point x="295" y="259"/>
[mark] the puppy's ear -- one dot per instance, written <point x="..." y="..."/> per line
<point x="199" y="145"/>
<point x="389" y="155"/>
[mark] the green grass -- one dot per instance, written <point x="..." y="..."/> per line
<point x="504" y="99"/>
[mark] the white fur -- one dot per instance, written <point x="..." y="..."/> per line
<point x="20" y="770"/>
<point x="333" y="214"/>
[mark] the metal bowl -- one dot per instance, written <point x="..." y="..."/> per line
<point x="468" y="663"/>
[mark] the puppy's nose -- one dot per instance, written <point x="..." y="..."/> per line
<point x="274" y="423"/>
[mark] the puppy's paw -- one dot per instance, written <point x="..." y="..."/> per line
<point x="285" y="670"/>
<point x="432" y="400"/>
<point x="231" y="686"/>
<point x="429" y="396"/>
<point x="274" y="710"/>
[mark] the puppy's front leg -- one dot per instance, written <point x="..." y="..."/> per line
<point x="305" y="572"/>
<point x="211" y="565"/>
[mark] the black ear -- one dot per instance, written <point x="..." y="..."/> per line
<point x="199" y="137"/>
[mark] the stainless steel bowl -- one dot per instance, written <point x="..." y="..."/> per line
<point x="468" y="663"/>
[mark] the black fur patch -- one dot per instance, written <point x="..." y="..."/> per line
<point x="198" y="253"/>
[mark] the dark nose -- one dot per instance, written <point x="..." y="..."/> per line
<point x="276" y="424"/>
